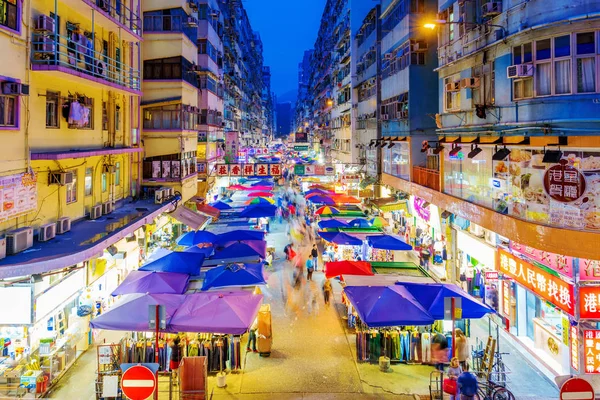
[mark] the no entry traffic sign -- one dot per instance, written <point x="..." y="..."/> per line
<point x="576" y="389"/>
<point x="138" y="382"/>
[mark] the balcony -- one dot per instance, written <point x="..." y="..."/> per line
<point x="170" y="23"/>
<point x="51" y="52"/>
<point x="426" y="177"/>
<point x="115" y="12"/>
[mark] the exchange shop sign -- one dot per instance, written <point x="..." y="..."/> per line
<point x="550" y="287"/>
<point x="589" y="302"/>
<point x="559" y="263"/>
<point x="564" y="183"/>
<point x="591" y="346"/>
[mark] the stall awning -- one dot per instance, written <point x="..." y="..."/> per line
<point x="190" y="218"/>
<point x="208" y="210"/>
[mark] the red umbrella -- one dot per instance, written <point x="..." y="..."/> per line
<point x="336" y="268"/>
<point x="260" y="194"/>
<point x="238" y="187"/>
<point x="344" y="199"/>
<point x="261" y="188"/>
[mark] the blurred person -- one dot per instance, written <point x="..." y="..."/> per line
<point x="467" y="385"/>
<point x="314" y="253"/>
<point x="439" y="350"/>
<point x="252" y="337"/>
<point x="313" y="298"/>
<point x="176" y="355"/>
<point x="309" y="268"/>
<point x="462" y="347"/>
<point x="327" y="291"/>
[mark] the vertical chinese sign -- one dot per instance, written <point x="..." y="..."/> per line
<point x="231" y="146"/>
<point x="574" y="348"/>
<point x="591" y="348"/>
<point x="550" y="287"/>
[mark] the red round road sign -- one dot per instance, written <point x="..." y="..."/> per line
<point x="576" y="389"/>
<point x="138" y="383"/>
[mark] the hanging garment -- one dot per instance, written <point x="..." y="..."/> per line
<point x="89" y="54"/>
<point x="75" y="113"/>
<point x="415" y="342"/>
<point x="426" y="347"/>
<point x="404" y="346"/>
<point x="85" y="117"/>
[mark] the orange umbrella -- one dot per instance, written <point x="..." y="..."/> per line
<point x="345" y="199"/>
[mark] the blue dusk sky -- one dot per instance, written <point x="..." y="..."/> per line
<point x="287" y="28"/>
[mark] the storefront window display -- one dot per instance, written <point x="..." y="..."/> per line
<point x="396" y="160"/>
<point x="524" y="186"/>
<point x="477" y="260"/>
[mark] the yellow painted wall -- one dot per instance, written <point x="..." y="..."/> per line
<point x="154" y="90"/>
<point x="163" y="143"/>
<point x="169" y="45"/>
<point x="201" y="152"/>
<point x="149" y="5"/>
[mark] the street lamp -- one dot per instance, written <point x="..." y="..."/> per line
<point x="434" y="23"/>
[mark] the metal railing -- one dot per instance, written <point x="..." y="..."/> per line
<point x="170" y="23"/>
<point x="77" y="53"/>
<point x="426" y="177"/>
<point x="119" y="12"/>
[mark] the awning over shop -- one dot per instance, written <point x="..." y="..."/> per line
<point x="337" y="268"/>
<point x="380" y="306"/>
<point x="196" y="237"/>
<point x="208" y="210"/>
<point x="190" y="218"/>
<point x="219" y="205"/>
<point x="340" y="238"/>
<point x="153" y="282"/>
<point x="390" y="204"/>
<point x="179" y="262"/>
<point x="387" y="242"/>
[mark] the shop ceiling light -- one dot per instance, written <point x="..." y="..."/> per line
<point x="552" y="156"/>
<point x="455" y="150"/>
<point x="425" y="146"/>
<point x="438" y="149"/>
<point x="474" y="151"/>
<point x="500" y="154"/>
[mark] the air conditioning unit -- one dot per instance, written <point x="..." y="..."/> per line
<point x="519" y="71"/>
<point x="167" y="192"/>
<point x="63" y="225"/>
<point x="388" y="56"/>
<point x="491" y="9"/>
<point x="19" y="240"/>
<point x="2" y="248"/>
<point x="60" y="178"/>
<point x="44" y="44"/>
<point x="192" y="22"/>
<point x="468" y="83"/>
<point x="44" y="23"/>
<point x="159" y="195"/>
<point x="47" y="232"/>
<point x="385" y="117"/>
<point x="96" y="211"/>
<point x="421" y="45"/>
<point x="107" y="207"/>
<point x="14" y="88"/>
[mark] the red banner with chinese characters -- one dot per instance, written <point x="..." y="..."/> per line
<point x="589" y="302"/>
<point x="550" y="287"/>
<point x="559" y="263"/>
<point x="591" y="347"/>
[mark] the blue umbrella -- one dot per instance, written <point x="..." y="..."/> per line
<point x="387" y="306"/>
<point x="175" y="261"/>
<point x="237" y="235"/>
<point x="259" y="211"/>
<point x="387" y="242"/>
<point x="359" y="223"/>
<point x="321" y="200"/>
<point x="237" y="250"/>
<point x="332" y="223"/>
<point x="194" y="238"/>
<point x="341" y="238"/>
<point x="205" y="251"/>
<point x="234" y="275"/>
<point x="263" y="182"/>
<point x="219" y="205"/>
<point x="432" y="295"/>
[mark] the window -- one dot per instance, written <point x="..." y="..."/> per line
<point x="81" y="113"/>
<point x="52" y="109"/>
<point x="523" y="87"/>
<point x="485" y="92"/>
<point x="8" y="110"/>
<point x="170" y="68"/>
<point x="452" y="93"/>
<point x="88" y="182"/>
<point x="104" y="182"/>
<point x="72" y="189"/>
<point x="9" y="14"/>
<point x="451" y="26"/>
<point x="118" y="173"/>
<point x="586" y="62"/>
<point x="104" y="116"/>
<point x="117" y="118"/>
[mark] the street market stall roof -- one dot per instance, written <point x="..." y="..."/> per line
<point x="237" y="235"/>
<point x="208" y="210"/>
<point x="431" y="296"/>
<point x="398" y="268"/>
<point x="321" y="199"/>
<point x="387" y="242"/>
<point x="238" y="187"/>
<point x="344" y="214"/>
<point x="234" y="275"/>
<point x="236" y="251"/>
<point x="390" y="204"/>
<point x="260" y="194"/>
<point x="383" y="280"/>
<point x="220" y="205"/>
<point x="190" y="217"/>
<point x="259" y="246"/>
<point x="380" y="306"/>
<point x="263" y="182"/>
<point x="260" y="201"/>
<point x="345" y="199"/>
<point x="340" y="238"/>
<point x="178" y="262"/>
<point x="153" y="282"/>
<point x="259" y="211"/>
<point x="331" y="223"/>
<point x="359" y="223"/>
<point x="196" y="237"/>
<point x="217" y="312"/>
<point x="327" y="210"/>
<point x="379" y="222"/>
<point x="337" y="268"/>
<point x="318" y="191"/>
<point x="131" y="314"/>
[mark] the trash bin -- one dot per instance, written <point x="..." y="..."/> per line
<point x="384" y="364"/>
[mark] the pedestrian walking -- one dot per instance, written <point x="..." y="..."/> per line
<point x="327" y="291"/>
<point x="252" y="337"/>
<point x="315" y="256"/>
<point x="450" y="384"/>
<point x="462" y="347"/>
<point x="176" y="355"/>
<point x="309" y="268"/>
<point x="467" y="385"/>
<point x="439" y="350"/>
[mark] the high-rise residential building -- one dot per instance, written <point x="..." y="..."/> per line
<point x="303" y="106"/>
<point x="267" y="105"/>
<point x="284" y="119"/>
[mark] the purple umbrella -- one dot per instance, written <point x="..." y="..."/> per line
<point x="132" y="314"/>
<point x="260" y="246"/>
<point x="321" y="199"/>
<point x="217" y="312"/>
<point x="153" y="282"/>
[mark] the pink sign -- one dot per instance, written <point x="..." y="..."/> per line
<point x="421" y="209"/>
<point x="589" y="270"/>
<point x="559" y="263"/>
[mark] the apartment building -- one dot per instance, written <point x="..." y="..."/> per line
<point x="267" y="108"/>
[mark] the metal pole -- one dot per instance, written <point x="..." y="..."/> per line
<point x="156" y="350"/>
<point x="453" y="333"/>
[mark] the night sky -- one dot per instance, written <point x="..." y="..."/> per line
<point x="287" y="28"/>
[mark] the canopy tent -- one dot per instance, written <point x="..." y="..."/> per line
<point x="340" y="238"/>
<point x="379" y="222"/>
<point x="239" y="235"/>
<point x="219" y="205"/>
<point x="260" y="194"/>
<point x="332" y="223"/>
<point x="393" y="305"/>
<point x="190" y="217"/>
<point x="387" y="242"/>
<point x="152" y="282"/>
<point x="327" y="210"/>
<point x="262" y="187"/>
<point x="237" y="250"/>
<point x="260" y="246"/>
<point x="178" y="262"/>
<point x="318" y="191"/>
<point x="234" y="275"/>
<point x="205" y="251"/>
<point x="259" y="211"/>
<point x="320" y="199"/>
<point x="197" y="237"/>
<point x="383" y="279"/>
<point x="359" y="223"/>
<point x="336" y="268"/>
<point x="432" y="295"/>
<point x="345" y="199"/>
<point x="131" y="314"/>
<point x="263" y="182"/>
<point x="260" y="201"/>
<point x="217" y="312"/>
<point x="238" y="187"/>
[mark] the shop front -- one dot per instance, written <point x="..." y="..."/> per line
<point x="538" y="305"/>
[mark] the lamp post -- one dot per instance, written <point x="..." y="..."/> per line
<point x="432" y="25"/>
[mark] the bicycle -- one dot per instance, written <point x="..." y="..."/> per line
<point x="489" y="390"/>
